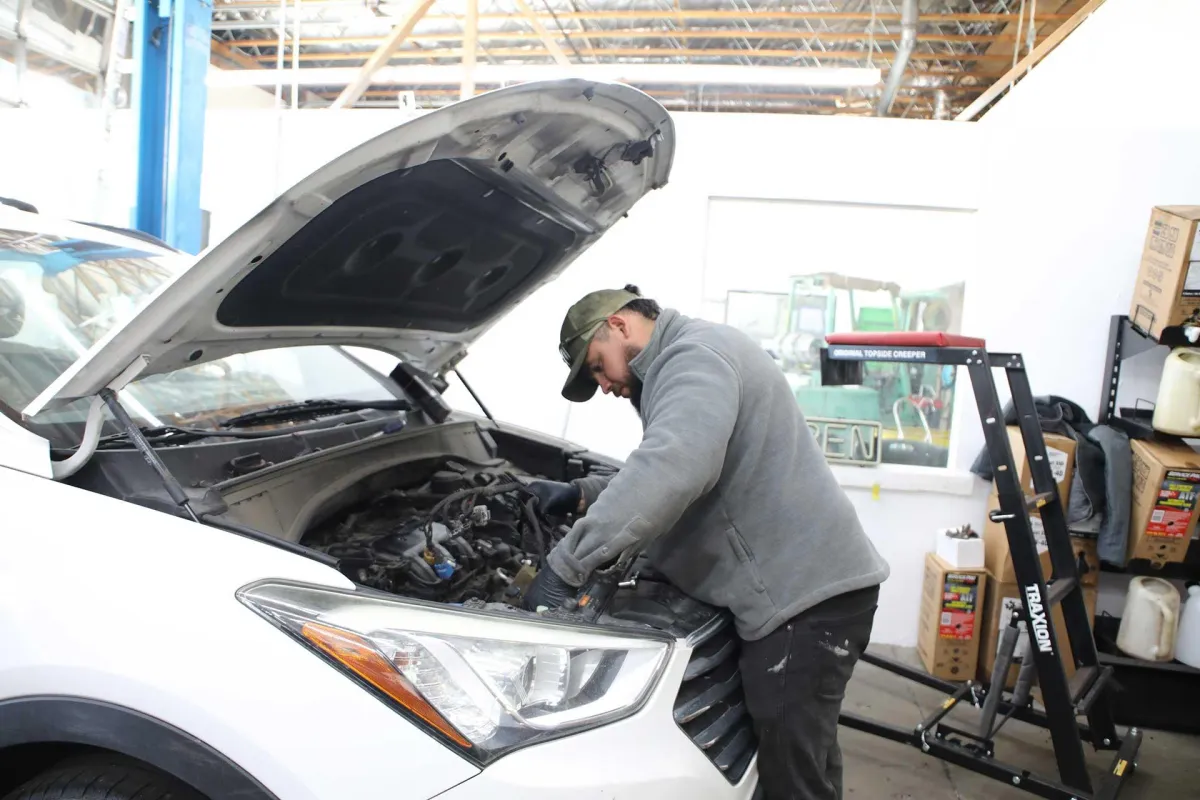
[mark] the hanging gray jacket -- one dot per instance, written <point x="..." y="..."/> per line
<point x="1101" y="499"/>
<point x="728" y="489"/>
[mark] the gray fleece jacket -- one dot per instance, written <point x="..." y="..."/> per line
<point x="728" y="489"/>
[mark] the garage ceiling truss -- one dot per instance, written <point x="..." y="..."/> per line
<point x="962" y="47"/>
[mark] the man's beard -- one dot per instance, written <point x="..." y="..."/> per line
<point x="634" y="383"/>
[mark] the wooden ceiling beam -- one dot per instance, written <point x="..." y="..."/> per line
<point x="951" y="88"/>
<point x="630" y="33"/>
<point x="1006" y="40"/>
<point x="383" y="53"/>
<point x="965" y="89"/>
<point x="1028" y="62"/>
<point x="715" y="14"/>
<point x="827" y="103"/>
<point x="469" y="48"/>
<point x="450" y="94"/>
<point x="547" y="39"/>
<point x="221" y="54"/>
<point x="643" y="52"/>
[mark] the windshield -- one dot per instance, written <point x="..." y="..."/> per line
<point x="58" y="296"/>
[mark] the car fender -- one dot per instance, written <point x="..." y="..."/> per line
<point x="81" y="721"/>
<point x="117" y="604"/>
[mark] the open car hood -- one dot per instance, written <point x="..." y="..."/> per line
<point x="414" y="242"/>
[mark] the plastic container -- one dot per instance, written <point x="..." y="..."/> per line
<point x="1187" y="643"/>
<point x="1177" y="408"/>
<point x="1151" y="620"/>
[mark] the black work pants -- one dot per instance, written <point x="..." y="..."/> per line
<point x="795" y="679"/>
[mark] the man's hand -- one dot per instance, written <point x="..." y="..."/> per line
<point x="556" y="498"/>
<point x="547" y="590"/>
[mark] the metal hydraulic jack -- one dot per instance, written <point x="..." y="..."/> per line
<point x="1084" y="694"/>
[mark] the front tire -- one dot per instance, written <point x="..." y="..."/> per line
<point x="100" y="777"/>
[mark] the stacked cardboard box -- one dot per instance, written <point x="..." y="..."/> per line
<point x="1060" y="452"/>
<point x="1004" y="594"/>
<point x="1166" y="476"/>
<point x="949" y="635"/>
<point x="1166" y="484"/>
<point x="1167" y="292"/>
<point x="999" y="560"/>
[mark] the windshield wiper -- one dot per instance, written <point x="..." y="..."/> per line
<point x="165" y="435"/>
<point x="312" y="408"/>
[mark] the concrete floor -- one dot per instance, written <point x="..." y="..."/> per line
<point x="876" y="769"/>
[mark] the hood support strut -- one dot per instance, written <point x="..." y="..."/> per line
<point x="169" y="482"/>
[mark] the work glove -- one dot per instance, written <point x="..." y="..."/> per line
<point x="554" y="497"/>
<point x="547" y="589"/>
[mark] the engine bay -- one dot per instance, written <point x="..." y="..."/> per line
<point x="466" y="533"/>
<point x="437" y="513"/>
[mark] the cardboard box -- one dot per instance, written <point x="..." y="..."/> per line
<point x="949" y="634"/>
<point x="1166" y="483"/>
<point x="1167" y="292"/>
<point x="998" y="559"/>
<point x="1060" y="451"/>
<point x="1002" y="599"/>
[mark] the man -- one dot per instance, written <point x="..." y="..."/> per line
<point x="736" y="505"/>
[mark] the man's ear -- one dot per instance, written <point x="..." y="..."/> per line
<point x="619" y="324"/>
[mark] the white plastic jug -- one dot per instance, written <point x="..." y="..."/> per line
<point x="1150" y="621"/>
<point x="1187" y="644"/>
<point x="1177" y="408"/>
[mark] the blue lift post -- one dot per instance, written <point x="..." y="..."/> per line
<point x="171" y="54"/>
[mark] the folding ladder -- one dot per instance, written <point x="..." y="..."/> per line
<point x="1084" y="694"/>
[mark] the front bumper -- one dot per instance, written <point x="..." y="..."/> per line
<point x="644" y="756"/>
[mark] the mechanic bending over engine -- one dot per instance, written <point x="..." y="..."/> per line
<point x="733" y="499"/>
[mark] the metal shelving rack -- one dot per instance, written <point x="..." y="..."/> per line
<point x="1125" y="340"/>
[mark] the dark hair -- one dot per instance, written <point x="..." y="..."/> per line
<point x="643" y="305"/>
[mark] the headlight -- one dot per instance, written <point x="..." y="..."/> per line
<point x="485" y="683"/>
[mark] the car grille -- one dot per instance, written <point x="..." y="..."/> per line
<point x="711" y="707"/>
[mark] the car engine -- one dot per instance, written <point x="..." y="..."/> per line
<point x="465" y="534"/>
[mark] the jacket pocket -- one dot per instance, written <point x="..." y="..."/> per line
<point x="738" y="544"/>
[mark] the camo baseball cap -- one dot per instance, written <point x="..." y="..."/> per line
<point x="579" y="326"/>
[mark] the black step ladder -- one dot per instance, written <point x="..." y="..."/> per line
<point x="1084" y="694"/>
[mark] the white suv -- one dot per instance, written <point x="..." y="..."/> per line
<point x="241" y="563"/>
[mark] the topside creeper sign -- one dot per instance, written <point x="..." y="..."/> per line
<point x="844" y="352"/>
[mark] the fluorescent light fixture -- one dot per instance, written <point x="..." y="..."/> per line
<point x="503" y="74"/>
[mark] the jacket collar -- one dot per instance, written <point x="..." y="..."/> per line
<point x="666" y="328"/>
